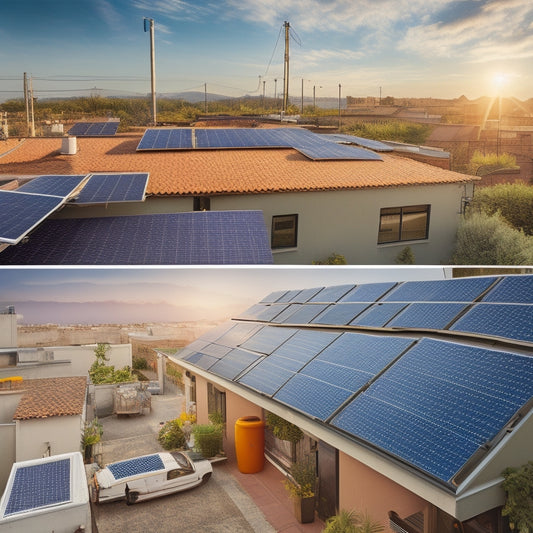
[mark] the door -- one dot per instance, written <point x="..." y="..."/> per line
<point x="328" y="480"/>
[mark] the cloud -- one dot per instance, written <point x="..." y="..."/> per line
<point x="108" y="13"/>
<point x="174" y="9"/>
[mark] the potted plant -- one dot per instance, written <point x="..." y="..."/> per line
<point x="301" y="483"/>
<point x="352" y="522"/>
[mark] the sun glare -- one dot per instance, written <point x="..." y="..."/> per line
<point x="500" y="82"/>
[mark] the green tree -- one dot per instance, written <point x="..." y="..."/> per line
<point x="333" y="259"/>
<point x="405" y="257"/>
<point x="513" y="201"/>
<point x="488" y="240"/>
<point x="518" y="484"/>
<point x="482" y="164"/>
<point x="171" y="435"/>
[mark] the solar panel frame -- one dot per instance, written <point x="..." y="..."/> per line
<point x="369" y="292"/>
<point x="166" y="139"/>
<point x="22" y="212"/>
<point x="107" y="188"/>
<point x="40" y="486"/>
<point x="62" y="185"/>
<point x="331" y="294"/>
<point x="267" y="376"/>
<point x="234" y="363"/>
<point x="340" y="314"/>
<point x="268" y="339"/>
<point x="94" y="129"/>
<point x="378" y="315"/>
<point x="428" y="315"/>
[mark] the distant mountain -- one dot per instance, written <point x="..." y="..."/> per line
<point x="195" y="96"/>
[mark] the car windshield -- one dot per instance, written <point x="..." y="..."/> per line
<point x="182" y="460"/>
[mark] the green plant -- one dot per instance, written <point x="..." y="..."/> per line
<point x="282" y="429"/>
<point x="405" y="257"/>
<point x="333" y="259"/>
<point x="174" y="374"/>
<point x="352" y="522"/>
<point x="92" y="434"/>
<point x="171" y="435"/>
<point x="301" y="481"/>
<point x="216" y="418"/>
<point x="100" y="352"/>
<point x="518" y="484"/>
<point x="208" y="439"/>
<point x="140" y="363"/>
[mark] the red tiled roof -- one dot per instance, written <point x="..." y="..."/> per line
<point x="211" y="172"/>
<point x="48" y="397"/>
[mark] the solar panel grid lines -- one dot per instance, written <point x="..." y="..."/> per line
<point x="267" y="376"/>
<point x="166" y="139"/>
<point x="305" y="345"/>
<point x="21" y="212"/>
<point x="369" y="292"/>
<point x="273" y="297"/>
<point x="40" y="486"/>
<point x="304" y="314"/>
<point x="267" y="339"/>
<point x="136" y="466"/>
<point x="511" y="289"/>
<point x="378" y="315"/>
<point x="426" y="315"/>
<point x="340" y="314"/>
<point x="271" y="312"/>
<point x="53" y="184"/>
<point x="234" y="363"/>
<point x="331" y="294"/>
<point x="305" y="295"/>
<point x="237" y="334"/>
<point x="94" y="129"/>
<point x="201" y="360"/>
<point x="289" y="296"/>
<point x="114" y="187"/>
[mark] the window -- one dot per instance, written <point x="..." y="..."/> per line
<point x="284" y="231"/>
<point x="216" y="401"/>
<point x="403" y="223"/>
<point x="201" y="203"/>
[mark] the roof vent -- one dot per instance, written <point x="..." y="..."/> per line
<point x="68" y="146"/>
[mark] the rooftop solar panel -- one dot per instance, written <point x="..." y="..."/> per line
<point x="109" y="188"/>
<point x="360" y="141"/>
<point x="267" y="376"/>
<point x="203" y="237"/>
<point x="369" y="292"/>
<point x="427" y="315"/>
<point x="53" y="185"/>
<point x="304" y="314"/>
<point x="273" y="297"/>
<point x="512" y="289"/>
<point x="439" y="403"/>
<point x="136" y="466"/>
<point x="238" y="334"/>
<point x="340" y="314"/>
<point x="378" y="315"/>
<point x="288" y="296"/>
<point x="331" y="294"/>
<point x="21" y="212"/>
<point x="305" y="345"/>
<point x="94" y="129"/>
<point x="448" y="290"/>
<point x="234" y="363"/>
<point x="201" y="360"/>
<point x="508" y="321"/>
<point x="318" y="149"/>
<point x="270" y="312"/>
<point x="267" y="339"/>
<point x="38" y="486"/>
<point x="166" y="139"/>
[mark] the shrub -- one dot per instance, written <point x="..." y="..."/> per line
<point x="208" y="439"/>
<point x="405" y="257"/>
<point x="352" y="522"/>
<point x="518" y="485"/>
<point x="333" y="259"/>
<point x="282" y="429"/>
<point x="302" y="480"/>
<point x="140" y="363"/>
<point x="488" y="240"/>
<point x="171" y="435"/>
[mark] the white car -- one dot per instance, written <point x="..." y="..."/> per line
<point x="150" y="476"/>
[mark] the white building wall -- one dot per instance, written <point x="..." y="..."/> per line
<point x="62" y="433"/>
<point x="8" y="330"/>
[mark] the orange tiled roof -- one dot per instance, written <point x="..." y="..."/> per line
<point x="211" y="172"/>
<point x="48" y="397"/>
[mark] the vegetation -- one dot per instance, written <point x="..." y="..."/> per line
<point x="301" y="482"/>
<point x="92" y="434"/>
<point x="514" y="202"/>
<point x="488" y="240"/>
<point x="140" y="363"/>
<point x="352" y="522"/>
<point x="208" y="439"/>
<point x="393" y="130"/>
<point x="518" y="484"/>
<point x="172" y="372"/>
<point x="405" y="257"/>
<point x="282" y="429"/>
<point x="171" y="435"/>
<point x="101" y="373"/>
<point x="333" y="259"/>
<point x="483" y="164"/>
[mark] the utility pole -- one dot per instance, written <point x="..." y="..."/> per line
<point x="32" y="125"/>
<point x="276" y="92"/>
<point x="263" y="102"/>
<point x="302" y="96"/>
<point x="286" y="68"/>
<point x="27" y="103"/>
<point x="205" y="97"/>
<point x="150" y="26"/>
<point x="339" y="106"/>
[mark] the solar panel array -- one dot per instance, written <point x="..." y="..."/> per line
<point x="313" y="146"/>
<point x="111" y="188"/>
<point x="54" y="185"/>
<point x="203" y="237"/>
<point x="429" y="402"/>
<point x="38" y="486"/>
<point x="136" y="466"/>
<point x="94" y="129"/>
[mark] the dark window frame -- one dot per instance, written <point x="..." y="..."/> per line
<point x="402" y="211"/>
<point x="275" y="237"/>
<point x="201" y="203"/>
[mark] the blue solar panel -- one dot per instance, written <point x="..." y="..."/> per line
<point x="439" y="403"/>
<point x="331" y="294"/>
<point x="201" y="360"/>
<point x="216" y="350"/>
<point x="427" y="315"/>
<point x="39" y="486"/>
<point x="234" y="363"/>
<point x="53" y="185"/>
<point x="21" y="212"/>
<point x="268" y="375"/>
<point x="363" y="352"/>
<point x="203" y="237"/>
<point x="268" y="339"/>
<point x="305" y="345"/>
<point x="288" y="296"/>
<point x="498" y="320"/>
<point x="306" y="294"/>
<point x="166" y="139"/>
<point x="321" y="149"/>
<point x="360" y="141"/>
<point x="512" y="289"/>
<point x="94" y="129"/>
<point x="304" y="314"/>
<point x="108" y="188"/>
<point x="239" y="138"/>
<point x="378" y="315"/>
<point x="273" y="297"/>
<point x="286" y="312"/>
<point x="312" y="396"/>
<point x="270" y="312"/>
<point x="370" y="292"/>
<point x="136" y="466"/>
<point x="350" y="379"/>
<point x="449" y="290"/>
<point x="340" y="314"/>
<point x="193" y="347"/>
<point x="238" y="334"/>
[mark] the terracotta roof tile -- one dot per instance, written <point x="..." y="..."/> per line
<point x="48" y="397"/>
<point x="211" y="172"/>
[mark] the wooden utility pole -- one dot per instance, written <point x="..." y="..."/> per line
<point x="286" y="68"/>
<point x="152" y="66"/>
<point x="27" y="104"/>
<point x="339" y="106"/>
<point x="205" y="97"/>
<point x="32" y="123"/>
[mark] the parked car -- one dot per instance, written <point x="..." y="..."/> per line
<point x="150" y="476"/>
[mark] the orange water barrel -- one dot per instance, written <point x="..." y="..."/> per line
<point x="250" y="444"/>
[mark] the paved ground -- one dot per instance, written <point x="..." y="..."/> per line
<point x="220" y="505"/>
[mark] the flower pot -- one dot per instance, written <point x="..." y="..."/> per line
<point x="304" y="509"/>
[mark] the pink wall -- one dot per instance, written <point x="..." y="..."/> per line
<point x="366" y="490"/>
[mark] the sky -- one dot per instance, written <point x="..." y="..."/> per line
<point x="145" y="295"/>
<point x="401" y="48"/>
